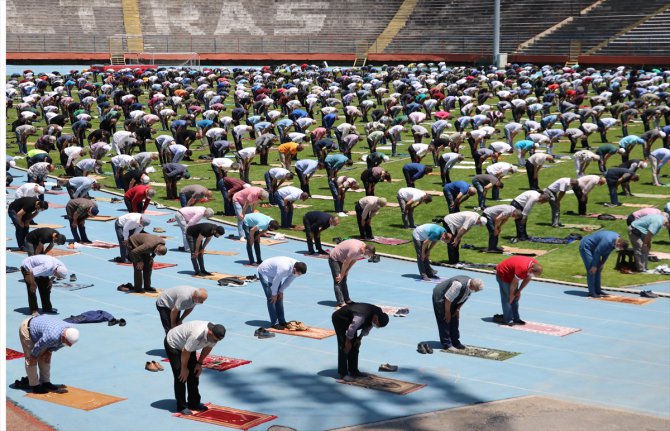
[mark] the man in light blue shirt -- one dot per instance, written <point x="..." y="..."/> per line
<point x="276" y="275"/>
<point x="78" y="187"/>
<point x="40" y="336"/>
<point x="304" y="169"/>
<point x="424" y="238"/>
<point x="641" y="232"/>
<point x="254" y="225"/>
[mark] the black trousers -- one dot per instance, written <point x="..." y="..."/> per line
<point x="144" y="274"/>
<point x="582" y="199"/>
<point x="365" y="230"/>
<point x="347" y="363"/>
<point x="313" y="237"/>
<point x="192" y="381"/>
<point x="44" y="289"/>
<point x="164" y="314"/>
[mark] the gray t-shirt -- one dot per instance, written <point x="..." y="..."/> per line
<point x="191" y="336"/>
<point x="179" y="297"/>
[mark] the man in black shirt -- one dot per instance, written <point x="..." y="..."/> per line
<point x="347" y="321"/>
<point x="198" y="236"/>
<point x="315" y="222"/>
<point x="616" y="177"/>
<point x="36" y="240"/>
<point x="131" y="178"/>
<point x="22" y="211"/>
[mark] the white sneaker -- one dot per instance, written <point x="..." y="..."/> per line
<point x="342" y="215"/>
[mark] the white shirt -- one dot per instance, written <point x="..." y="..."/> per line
<point x="279" y="173"/>
<point x="130" y="221"/>
<point x="278" y="272"/>
<point x="588" y="182"/>
<point x="27" y="190"/>
<point x="122" y="160"/>
<point x="306" y="166"/>
<point x="527" y="200"/>
<point x="410" y="193"/>
<point x="538" y="159"/>
<point x="461" y="220"/>
<point x="289" y="193"/>
<point x="247" y="153"/>
<point x="421" y="149"/>
<point x="222" y="162"/>
<point x="499" y="168"/>
<point x="560" y="185"/>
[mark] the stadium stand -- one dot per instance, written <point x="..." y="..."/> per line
<point x="651" y="36"/>
<point x="592" y="28"/>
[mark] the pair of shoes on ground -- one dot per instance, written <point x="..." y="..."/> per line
<point x="159" y="230"/>
<point x="188" y="411"/>
<point x="424" y="348"/>
<point x="279" y="326"/>
<point x="120" y="322"/>
<point x="263" y="333"/>
<point x="153" y="366"/>
<point x="47" y="387"/>
<point x="388" y="368"/>
<point x="648" y="294"/>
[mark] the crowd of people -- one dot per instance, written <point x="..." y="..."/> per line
<point x="295" y="109"/>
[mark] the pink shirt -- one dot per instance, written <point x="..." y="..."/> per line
<point x="645" y="212"/>
<point x="193" y="215"/>
<point x="250" y="195"/>
<point x="318" y="134"/>
<point x="350" y="248"/>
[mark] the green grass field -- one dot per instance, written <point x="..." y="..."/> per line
<point x="562" y="262"/>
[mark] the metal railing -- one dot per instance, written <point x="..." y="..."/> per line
<point x="324" y="43"/>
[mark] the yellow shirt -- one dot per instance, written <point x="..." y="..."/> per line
<point x="289" y="148"/>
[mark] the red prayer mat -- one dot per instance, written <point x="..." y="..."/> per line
<point x="155" y="213"/>
<point x="228" y="417"/>
<point x="13" y="354"/>
<point x="220" y="363"/>
<point x="311" y="332"/>
<point x="544" y="328"/>
<point x="156" y="265"/>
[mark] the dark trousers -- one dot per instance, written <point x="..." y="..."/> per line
<point x="337" y="201"/>
<point x="192" y="381"/>
<point x="614" y="196"/>
<point x="286" y="211"/>
<point x="79" y="232"/>
<point x="444" y="172"/>
<point x="347" y="363"/>
<point x="520" y="224"/>
<point x="269" y="188"/>
<point x="453" y="253"/>
<point x="481" y="193"/>
<point x="164" y="314"/>
<point x="423" y="264"/>
<point x="304" y="181"/>
<point x="364" y="226"/>
<point x="44" y="289"/>
<point x="493" y="239"/>
<point x="408" y="178"/>
<point x="555" y="205"/>
<point x="449" y="334"/>
<point x="532" y="178"/>
<point x="20" y="231"/>
<point x="144" y="274"/>
<point x="253" y="245"/>
<point x="123" y="250"/>
<point x="313" y="237"/>
<point x="171" y="188"/>
<point x="582" y="199"/>
<point x="341" y="289"/>
<point x="228" y="209"/>
<point x="128" y="204"/>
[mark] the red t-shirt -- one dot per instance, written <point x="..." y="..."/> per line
<point x="137" y="195"/>
<point x="516" y="266"/>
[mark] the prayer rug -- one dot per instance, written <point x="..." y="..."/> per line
<point x="52" y="226"/>
<point x="311" y="332"/>
<point x="155" y="213"/>
<point x="484" y="353"/>
<point x="661" y="255"/>
<point x="386" y="384"/>
<point x="215" y="276"/>
<point x="221" y="253"/>
<point x="70" y="286"/>
<point x="301" y="206"/>
<point x="298" y="228"/>
<point x="583" y="227"/>
<point x="637" y="205"/>
<point x="13" y="354"/>
<point x="228" y="417"/>
<point x="155" y="294"/>
<point x="220" y="363"/>
<point x="55" y="252"/>
<point x="101" y="218"/>
<point x="524" y="251"/>
<point x="434" y="193"/>
<point x="78" y="398"/>
<point x="616" y="216"/>
<point x="544" y="328"/>
<point x="55" y="192"/>
<point x="650" y="196"/>
<point x="625" y="299"/>
<point x="156" y="265"/>
<point x="96" y="244"/>
<point x="322" y="197"/>
<point x="388" y="241"/>
<point x="55" y="206"/>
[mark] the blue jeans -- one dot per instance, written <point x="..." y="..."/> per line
<point x="339" y="203"/>
<point x="592" y="280"/>
<point x="286" y="211"/>
<point x="268" y="187"/>
<point x="510" y="311"/>
<point x="275" y="310"/>
<point x="227" y="203"/>
<point x="238" y="212"/>
<point x="182" y="200"/>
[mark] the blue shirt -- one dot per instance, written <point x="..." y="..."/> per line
<point x="81" y="184"/>
<point x="416" y="170"/>
<point x="261" y="221"/>
<point x="306" y="166"/>
<point x="651" y="223"/>
<point x="46" y="332"/>
<point x="428" y="231"/>
<point x="204" y="123"/>
<point x="630" y="140"/>
<point x="596" y="248"/>
<point x="335" y="161"/>
<point x="524" y="145"/>
<point x="456" y="187"/>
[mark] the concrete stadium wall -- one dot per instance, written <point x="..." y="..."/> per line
<point x="335" y="58"/>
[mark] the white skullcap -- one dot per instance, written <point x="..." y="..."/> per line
<point x="61" y="271"/>
<point x="621" y="151"/>
<point x="40" y="190"/>
<point x="72" y="335"/>
<point x="482" y="220"/>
